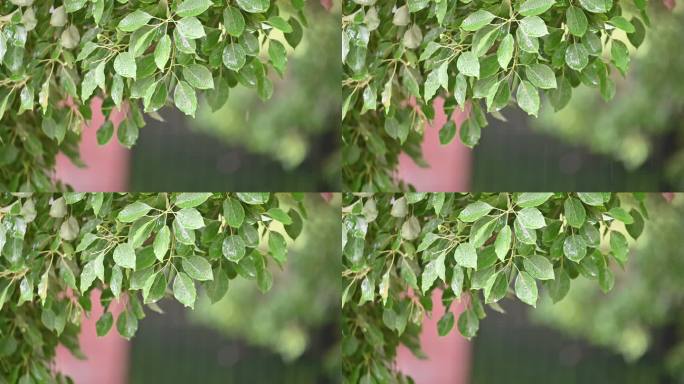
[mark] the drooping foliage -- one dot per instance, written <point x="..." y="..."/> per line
<point x="481" y="56"/>
<point x="477" y="248"/>
<point x="137" y="55"/>
<point x="135" y="249"/>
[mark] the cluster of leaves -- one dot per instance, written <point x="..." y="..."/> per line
<point x="643" y="314"/>
<point x="637" y="122"/>
<point x="138" y="55"/>
<point x="293" y="124"/>
<point x="480" y="55"/>
<point x="133" y="248"/>
<point x="479" y="248"/>
<point x="294" y="318"/>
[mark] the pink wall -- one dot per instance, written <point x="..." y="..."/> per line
<point x="448" y="357"/>
<point x="106" y="166"/>
<point x="449" y="169"/>
<point x="106" y="170"/>
<point x="106" y="357"/>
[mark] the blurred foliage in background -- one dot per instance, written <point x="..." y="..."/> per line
<point x="643" y="317"/>
<point x="305" y="103"/>
<point x="302" y="314"/>
<point x="644" y="119"/>
<point x="289" y="335"/>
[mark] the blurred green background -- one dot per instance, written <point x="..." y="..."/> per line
<point x="288" y="335"/>
<point x="634" y="142"/>
<point x="288" y="143"/>
<point x="633" y="334"/>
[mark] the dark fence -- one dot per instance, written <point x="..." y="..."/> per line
<point x="169" y="349"/>
<point x="170" y="156"/>
<point x="513" y="157"/>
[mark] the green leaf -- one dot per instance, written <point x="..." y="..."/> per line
<point x="496" y="287"/>
<point x="577" y="56"/>
<point x="278" y="246"/>
<point x="477" y="20"/>
<point x="465" y="255"/>
<point x="280" y="23"/>
<point x="539" y="267"/>
<point x="190" y="28"/>
<point x="445" y="324"/>
<point x="280" y="215"/>
<point x="502" y="244"/>
<point x="621" y="214"/>
<point x="185" y="98"/>
<point x="415" y="5"/>
<point x="133" y="212"/>
<point x="124" y="256"/>
<point x="193" y="7"/>
<point x="133" y="21"/>
<point x="620" y="55"/>
<point x="532" y="199"/>
<point x="606" y="279"/>
<point x="575" y="213"/>
<point x="523" y="234"/>
<point x="468" y="64"/>
<point x="533" y="26"/>
<point x="575" y="248"/>
<point x="526" y="288"/>
<point x="531" y="218"/>
<point x="597" y="6"/>
<point x="105" y="132"/>
<point x="541" y="76"/>
<point x="447" y="133"/>
<point x="127" y="325"/>
<point x="278" y="55"/>
<point x="233" y="21"/>
<point x="437" y="78"/>
<point x="115" y="281"/>
<point x="127" y="133"/>
<point x="124" y="65"/>
<point x="460" y="89"/>
<point x="576" y="21"/>
<point x="190" y="218"/>
<point x="217" y="288"/>
<point x="104" y="324"/>
<point x="433" y="270"/>
<point x="234" y="56"/>
<point x="535" y="7"/>
<point x="191" y="199"/>
<point x="198" y="76"/>
<point x="254" y="6"/>
<point x="559" y="287"/>
<point x="161" y="243"/>
<point x="410" y="230"/>
<point x="474" y="211"/>
<point x="594" y="199"/>
<point x="74" y="5"/>
<point x="198" y="268"/>
<point x="162" y="52"/>
<point x="528" y="98"/>
<point x="504" y="53"/>
<point x="117" y="89"/>
<point x="253" y="198"/>
<point x="468" y="324"/>
<point x="184" y="290"/>
<point x="233" y="212"/>
<point x="619" y="246"/>
<point x="155" y="288"/>
<point x="233" y="248"/>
